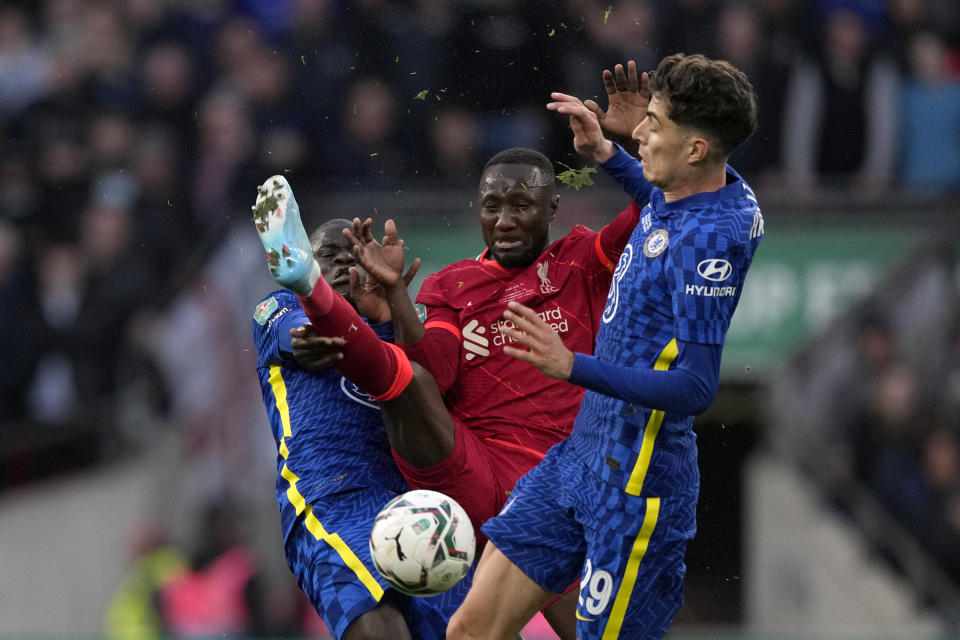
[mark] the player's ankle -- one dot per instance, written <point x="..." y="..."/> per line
<point x="304" y="286"/>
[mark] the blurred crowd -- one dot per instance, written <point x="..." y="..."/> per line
<point x="133" y="134"/>
<point x="901" y="434"/>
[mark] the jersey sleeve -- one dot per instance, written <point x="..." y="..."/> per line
<point x="628" y="173"/>
<point x="707" y="272"/>
<point x="439" y="350"/>
<point x="613" y="237"/>
<point x="687" y="388"/>
<point x="273" y="318"/>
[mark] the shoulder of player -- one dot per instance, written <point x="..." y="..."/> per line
<point x="734" y="218"/>
<point x="271" y="307"/>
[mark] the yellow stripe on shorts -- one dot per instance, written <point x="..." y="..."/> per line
<point x="619" y="609"/>
<point x="314" y="525"/>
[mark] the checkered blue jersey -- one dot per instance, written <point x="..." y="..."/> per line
<point x="330" y="435"/>
<point x="679" y="278"/>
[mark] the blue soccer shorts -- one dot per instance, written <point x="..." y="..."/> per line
<point x="562" y="521"/>
<point x="329" y="553"/>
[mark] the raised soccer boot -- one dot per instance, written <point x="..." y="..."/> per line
<point x="289" y="255"/>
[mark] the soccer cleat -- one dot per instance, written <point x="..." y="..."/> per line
<point x="289" y="255"/>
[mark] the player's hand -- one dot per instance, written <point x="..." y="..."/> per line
<point x="545" y="349"/>
<point x="313" y="351"/>
<point x="369" y="296"/>
<point x="628" y="96"/>
<point x="382" y="261"/>
<point x="588" y="139"/>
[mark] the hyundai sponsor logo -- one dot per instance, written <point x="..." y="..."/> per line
<point x="715" y="269"/>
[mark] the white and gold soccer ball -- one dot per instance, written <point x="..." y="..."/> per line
<point x="422" y="542"/>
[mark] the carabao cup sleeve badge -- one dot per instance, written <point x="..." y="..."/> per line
<point x="656" y="243"/>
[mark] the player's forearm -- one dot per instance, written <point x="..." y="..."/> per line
<point x="628" y="173"/>
<point x="688" y="389"/>
<point x="406" y="323"/>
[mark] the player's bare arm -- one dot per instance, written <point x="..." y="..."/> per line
<point x="588" y="138"/>
<point x="545" y="348"/>
<point x="383" y="262"/>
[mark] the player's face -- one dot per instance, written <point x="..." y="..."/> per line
<point x="664" y="146"/>
<point x="334" y="254"/>
<point x="517" y="204"/>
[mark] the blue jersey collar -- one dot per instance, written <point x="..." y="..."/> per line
<point x="664" y="209"/>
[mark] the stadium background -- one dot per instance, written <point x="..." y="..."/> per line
<point x="132" y="135"/>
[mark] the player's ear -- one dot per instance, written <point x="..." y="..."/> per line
<point x="699" y="149"/>
<point x="554" y="205"/>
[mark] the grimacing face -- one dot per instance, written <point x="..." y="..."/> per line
<point x="517" y="205"/>
<point x="334" y="253"/>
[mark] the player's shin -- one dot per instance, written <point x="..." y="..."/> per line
<point x="379" y="368"/>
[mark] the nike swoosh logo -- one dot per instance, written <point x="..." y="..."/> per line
<point x="580" y="617"/>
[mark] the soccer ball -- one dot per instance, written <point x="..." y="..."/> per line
<point x="422" y="542"/>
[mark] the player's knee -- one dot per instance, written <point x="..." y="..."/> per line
<point x="459" y="628"/>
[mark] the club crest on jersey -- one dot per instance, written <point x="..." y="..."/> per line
<point x="264" y="310"/>
<point x="656" y="243"/>
<point x="545" y="286"/>
<point x="353" y="392"/>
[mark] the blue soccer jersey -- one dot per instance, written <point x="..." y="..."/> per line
<point x="329" y="434"/>
<point x="334" y="474"/>
<point x="616" y="501"/>
<point x="679" y="278"/>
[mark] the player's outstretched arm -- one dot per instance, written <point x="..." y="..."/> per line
<point x="383" y="262"/>
<point x="588" y="138"/>
<point x="628" y="95"/>
<point x="545" y="349"/>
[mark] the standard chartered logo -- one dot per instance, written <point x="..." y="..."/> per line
<point x="474" y="341"/>
<point x="613" y="296"/>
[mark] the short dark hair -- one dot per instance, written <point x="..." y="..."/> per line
<point x="522" y="155"/>
<point x="712" y="96"/>
<point x="333" y="225"/>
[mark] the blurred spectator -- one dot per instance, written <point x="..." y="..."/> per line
<point x="740" y="41"/>
<point x="842" y="107"/>
<point x="628" y="32"/>
<point x="20" y="333"/>
<point x="168" y="88"/>
<point x="368" y="146"/>
<point x="937" y="527"/>
<point x="53" y="391"/>
<point x="930" y="159"/>
<point x="219" y="594"/>
<point x="25" y="66"/>
<point x="503" y="61"/>
<point x="134" y="610"/>
<point x="222" y="162"/>
<point x="455" y="142"/>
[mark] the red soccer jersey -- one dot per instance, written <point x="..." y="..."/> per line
<point x="506" y="402"/>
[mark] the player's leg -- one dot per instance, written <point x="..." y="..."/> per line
<point x="419" y="426"/>
<point x="536" y="551"/>
<point x="328" y="552"/>
<point x="500" y="602"/>
<point x="633" y="574"/>
<point x="561" y="613"/>
<point x="383" y="622"/>
<point x="377" y="367"/>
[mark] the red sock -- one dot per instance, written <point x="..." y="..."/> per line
<point x="379" y="368"/>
